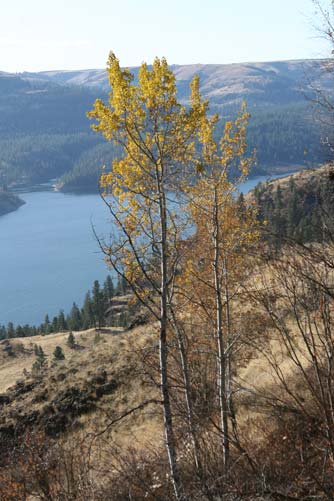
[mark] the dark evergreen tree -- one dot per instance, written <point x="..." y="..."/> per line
<point x="123" y="319"/>
<point x="3" y="332"/>
<point x="278" y="220"/>
<point x="124" y="285"/>
<point x="46" y="325"/>
<point x="58" y="353"/>
<point x="98" y="305"/>
<point x="108" y="288"/>
<point x="19" y="332"/>
<point x="87" y="313"/>
<point x="121" y="287"/>
<point x="74" y="319"/>
<point x="28" y="330"/>
<point x="40" y="361"/>
<point x="241" y="202"/>
<point x="71" y="341"/>
<point x="61" y="321"/>
<point x="40" y="353"/>
<point x="34" y="331"/>
<point x="292" y="215"/>
<point x="10" y="330"/>
<point x="54" y="325"/>
<point x="118" y="290"/>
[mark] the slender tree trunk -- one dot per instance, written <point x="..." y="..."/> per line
<point x="228" y="335"/>
<point x="168" y="420"/>
<point x="186" y="382"/>
<point x="190" y="411"/>
<point x="221" y="357"/>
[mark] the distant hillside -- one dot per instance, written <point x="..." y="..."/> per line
<point x="269" y="83"/>
<point x="299" y="206"/>
<point x="9" y="202"/>
<point x="45" y="133"/>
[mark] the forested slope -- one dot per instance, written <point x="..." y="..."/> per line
<point x="45" y="133"/>
<point x="299" y="206"/>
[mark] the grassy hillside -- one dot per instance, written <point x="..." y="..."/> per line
<point x="82" y="391"/>
<point x="97" y="414"/>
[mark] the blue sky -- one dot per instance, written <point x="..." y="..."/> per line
<point x="74" y="34"/>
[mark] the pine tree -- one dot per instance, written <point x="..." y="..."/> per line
<point x="71" y="341"/>
<point x="98" y="305"/>
<point x="241" y="203"/>
<point x="40" y="354"/>
<point x="277" y="218"/>
<point x="10" y="330"/>
<point x="54" y="325"/>
<point x="87" y="313"/>
<point x="41" y="361"/>
<point x="118" y="290"/>
<point x="47" y="325"/>
<point x="19" y="332"/>
<point x="108" y="288"/>
<point x="124" y="286"/>
<point x="74" y="319"/>
<point x="61" y="321"/>
<point x="293" y="213"/>
<point x="58" y="353"/>
<point x="278" y="199"/>
<point x="3" y="332"/>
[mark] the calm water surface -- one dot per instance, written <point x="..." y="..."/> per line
<point x="49" y="256"/>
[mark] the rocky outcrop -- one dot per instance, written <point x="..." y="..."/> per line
<point x="57" y="412"/>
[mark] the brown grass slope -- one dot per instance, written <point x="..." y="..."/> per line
<point x="96" y="383"/>
<point x="107" y="376"/>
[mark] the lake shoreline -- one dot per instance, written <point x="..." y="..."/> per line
<point x="50" y="257"/>
<point x="9" y="202"/>
<point x="53" y="186"/>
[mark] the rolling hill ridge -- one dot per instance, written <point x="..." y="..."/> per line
<point x="45" y="132"/>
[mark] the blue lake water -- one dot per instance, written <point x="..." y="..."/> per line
<point x="251" y="183"/>
<point x="49" y="256"/>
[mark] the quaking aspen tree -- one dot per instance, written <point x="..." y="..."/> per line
<point x="143" y="192"/>
<point x="218" y="254"/>
<point x="173" y="181"/>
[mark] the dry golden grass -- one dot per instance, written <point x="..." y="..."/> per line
<point x="116" y="352"/>
<point x="300" y="178"/>
<point x="11" y="368"/>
